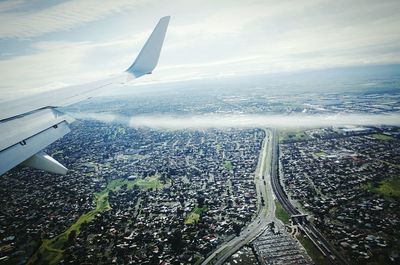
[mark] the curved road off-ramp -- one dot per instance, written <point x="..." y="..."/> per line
<point x="265" y="214"/>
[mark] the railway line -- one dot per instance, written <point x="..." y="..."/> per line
<point x="267" y="183"/>
<point x="324" y="246"/>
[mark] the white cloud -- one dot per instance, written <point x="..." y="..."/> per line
<point x="10" y="5"/>
<point x="57" y="64"/>
<point x="25" y="74"/>
<point x="66" y="15"/>
<point x="206" y="39"/>
<point x="242" y="121"/>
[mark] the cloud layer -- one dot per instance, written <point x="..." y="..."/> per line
<point x="242" y="121"/>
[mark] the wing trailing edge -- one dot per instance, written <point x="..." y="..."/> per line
<point x="23" y="150"/>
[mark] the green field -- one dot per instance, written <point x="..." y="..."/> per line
<point x="194" y="216"/>
<point x="228" y="165"/>
<point x="320" y="153"/>
<point x="280" y="213"/>
<point x="381" y="136"/>
<point x="152" y="182"/>
<point x="118" y="132"/>
<point x="51" y="250"/>
<point x="198" y="259"/>
<point x="292" y="135"/>
<point x="218" y="147"/>
<point x="388" y="188"/>
<point x="312" y="250"/>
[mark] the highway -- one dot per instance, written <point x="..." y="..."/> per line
<point x="265" y="213"/>
<point x="268" y="185"/>
<point x="312" y="233"/>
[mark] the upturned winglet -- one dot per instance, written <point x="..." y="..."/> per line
<point x="148" y="57"/>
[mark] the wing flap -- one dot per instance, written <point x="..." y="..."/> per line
<point x="22" y="127"/>
<point x="19" y="152"/>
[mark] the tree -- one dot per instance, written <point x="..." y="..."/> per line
<point x="200" y="201"/>
<point x="176" y="241"/>
<point x="163" y="178"/>
<point x="71" y="237"/>
<point x="237" y="228"/>
<point x="182" y="200"/>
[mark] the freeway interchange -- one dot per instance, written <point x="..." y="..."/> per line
<point x="308" y="228"/>
<point x="265" y="213"/>
<point x="268" y="188"/>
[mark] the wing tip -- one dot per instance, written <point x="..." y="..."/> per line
<point x="165" y="18"/>
<point x="149" y="55"/>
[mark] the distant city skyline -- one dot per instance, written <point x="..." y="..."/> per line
<point x="49" y="44"/>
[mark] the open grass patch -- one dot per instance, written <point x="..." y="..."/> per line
<point x="228" y="165"/>
<point x="51" y="251"/>
<point x="388" y="188"/>
<point x="293" y="135"/>
<point x="280" y="213"/>
<point x="152" y="182"/>
<point x="118" y="132"/>
<point x="381" y="136"/>
<point x="218" y="147"/>
<point x="115" y="185"/>
<point x="197" y="259"/>
<point x="319" y="153"/>
<point x="194" y="216"/>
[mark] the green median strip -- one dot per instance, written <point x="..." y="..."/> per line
<point x="280" y="213"/>
<point x="313" y="251"/>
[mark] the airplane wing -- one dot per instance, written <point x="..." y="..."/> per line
<point x="28" y="125"/>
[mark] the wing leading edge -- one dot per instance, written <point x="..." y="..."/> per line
<point x="30" y="124"/>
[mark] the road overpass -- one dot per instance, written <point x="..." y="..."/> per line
<point x="305" y="226"/>
<point x="265" y="213"/>
<point x="268" y="186"/>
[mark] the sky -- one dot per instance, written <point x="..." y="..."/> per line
<point x="51" y="43"/>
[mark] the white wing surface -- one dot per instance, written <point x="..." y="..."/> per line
<point x="30" y="124"/>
